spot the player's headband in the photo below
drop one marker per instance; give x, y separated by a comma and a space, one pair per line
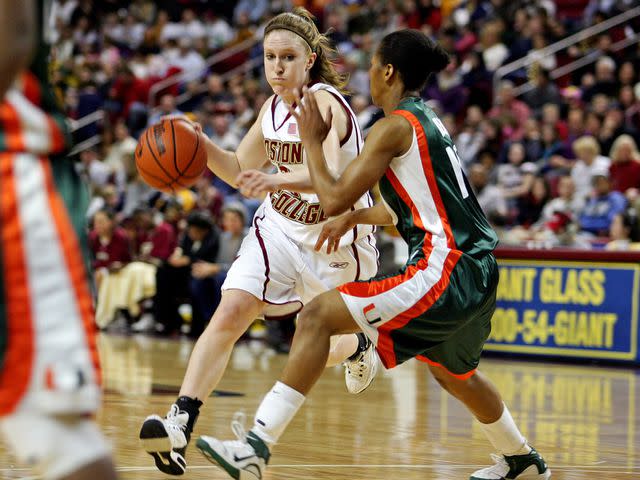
284, 27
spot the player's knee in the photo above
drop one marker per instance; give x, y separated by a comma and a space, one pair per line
451, 384
314, 318
54, 447
229, 319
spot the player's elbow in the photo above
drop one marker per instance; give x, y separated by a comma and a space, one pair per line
334, 206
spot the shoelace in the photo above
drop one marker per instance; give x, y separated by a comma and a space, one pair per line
238, 429
172, 419
359, 368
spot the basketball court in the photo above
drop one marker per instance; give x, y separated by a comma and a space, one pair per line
583, 418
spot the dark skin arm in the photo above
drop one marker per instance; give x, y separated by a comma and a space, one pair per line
17, 39
388, 138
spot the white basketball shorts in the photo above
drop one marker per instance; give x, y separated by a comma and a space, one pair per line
286, 275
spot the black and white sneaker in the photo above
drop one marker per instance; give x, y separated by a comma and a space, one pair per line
166, 439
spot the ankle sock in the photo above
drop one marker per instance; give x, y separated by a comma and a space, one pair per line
505, 436
363, 344
277, 409
192, 407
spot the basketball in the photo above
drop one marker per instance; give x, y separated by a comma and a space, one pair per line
171, 155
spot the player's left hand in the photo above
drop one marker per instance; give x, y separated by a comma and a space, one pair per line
333, 231
254, 183
312, 127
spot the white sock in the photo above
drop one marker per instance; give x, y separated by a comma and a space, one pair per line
505, 436
277, 409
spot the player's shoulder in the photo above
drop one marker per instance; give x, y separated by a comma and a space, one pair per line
393, 132
266, 106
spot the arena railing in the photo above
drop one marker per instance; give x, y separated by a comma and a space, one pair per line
536, 55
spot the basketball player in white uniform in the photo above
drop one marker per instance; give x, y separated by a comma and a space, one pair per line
277, 269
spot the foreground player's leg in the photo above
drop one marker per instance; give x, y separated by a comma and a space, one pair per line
247, 457
166, 439
515, 459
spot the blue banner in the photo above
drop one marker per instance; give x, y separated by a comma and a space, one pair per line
573, 309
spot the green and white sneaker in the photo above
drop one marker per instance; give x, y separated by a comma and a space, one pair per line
530, 467
243, 459
360, 372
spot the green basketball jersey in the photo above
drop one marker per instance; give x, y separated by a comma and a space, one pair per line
429, 195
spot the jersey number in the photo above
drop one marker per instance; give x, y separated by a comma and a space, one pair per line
454, 158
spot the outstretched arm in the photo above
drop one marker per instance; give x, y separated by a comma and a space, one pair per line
388, 138
17, 39
334, 230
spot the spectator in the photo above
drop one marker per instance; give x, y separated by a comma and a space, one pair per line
531, 204
623, 233
511, 113
589, 160
167, 106
211, 275
489, 196
567, 202
176, 284
625, 166
121, 285
190, 63
543, 92
599, 211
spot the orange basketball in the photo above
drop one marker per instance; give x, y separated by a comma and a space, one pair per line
171, 155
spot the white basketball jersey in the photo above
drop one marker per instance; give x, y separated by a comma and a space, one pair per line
299, 214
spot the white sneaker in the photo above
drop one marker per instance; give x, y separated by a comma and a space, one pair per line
360, 372
243, 459
145, 324
166, 439
530, 466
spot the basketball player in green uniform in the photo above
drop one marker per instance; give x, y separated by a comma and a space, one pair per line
438, 307
49, 369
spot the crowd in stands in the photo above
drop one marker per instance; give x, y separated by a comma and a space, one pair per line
557, 165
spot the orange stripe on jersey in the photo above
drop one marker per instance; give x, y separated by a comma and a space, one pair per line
459, 376
429, 174
71, 252
376, 287
10, 123
16, 371
385, 342
31, 88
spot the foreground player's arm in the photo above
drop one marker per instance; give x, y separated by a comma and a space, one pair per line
250, 153
17, 39
334, 230
388, 138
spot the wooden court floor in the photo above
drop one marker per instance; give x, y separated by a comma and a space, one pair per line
582, 418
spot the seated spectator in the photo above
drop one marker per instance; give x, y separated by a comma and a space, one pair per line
206, 294
516, 177
530, 205
489, 196
605, 204
511, 112
587, 150
176, 283
624, 232
121, 284
625, 167
567, 202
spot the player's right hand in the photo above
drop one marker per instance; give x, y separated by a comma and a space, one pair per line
333, 231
